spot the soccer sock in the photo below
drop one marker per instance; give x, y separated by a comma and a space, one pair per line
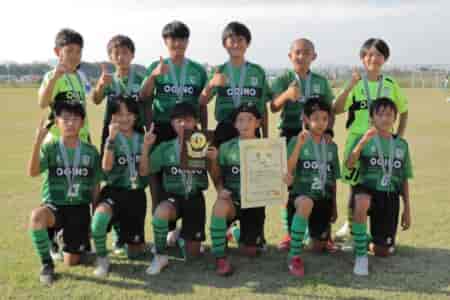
41, 243
98, 227
284, 219
298, 228
359, 231
160, 231
218, 236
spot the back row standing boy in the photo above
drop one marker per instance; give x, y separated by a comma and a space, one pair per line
291, 90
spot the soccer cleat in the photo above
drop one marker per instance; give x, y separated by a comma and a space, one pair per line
102, 268
47, 274
158, 263
343, 232
296, 266
223, 267
361, 267
172, 237
285, 243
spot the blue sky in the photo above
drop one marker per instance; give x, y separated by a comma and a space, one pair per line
417, 31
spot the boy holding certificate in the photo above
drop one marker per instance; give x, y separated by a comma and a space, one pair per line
313, 168
225, 171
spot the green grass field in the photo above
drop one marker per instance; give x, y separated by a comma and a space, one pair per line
420, 270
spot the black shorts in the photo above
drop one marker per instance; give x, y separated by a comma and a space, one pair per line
129, 208
319, 225
384, 212
289, 133
74, 221
226, 131
192, 211
164, 132
251, 222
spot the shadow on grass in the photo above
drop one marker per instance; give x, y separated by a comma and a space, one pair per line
416, 270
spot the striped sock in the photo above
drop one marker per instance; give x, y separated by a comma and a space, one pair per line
99, 227
218, 236
41, 243
284, 219
359, 231
160, 231
298, 228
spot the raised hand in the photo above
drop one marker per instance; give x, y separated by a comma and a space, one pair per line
218, 79
113, 128
150, 136
105, 78
356, 76
293, 91
161, 69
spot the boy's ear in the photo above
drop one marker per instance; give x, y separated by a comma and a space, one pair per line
57, 51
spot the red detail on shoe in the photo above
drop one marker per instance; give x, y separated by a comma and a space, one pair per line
223, 267
296, 266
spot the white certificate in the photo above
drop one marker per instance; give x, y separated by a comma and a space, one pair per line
263, 166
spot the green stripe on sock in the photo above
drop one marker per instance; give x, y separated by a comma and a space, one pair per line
359, 231
41, 243
160, 231
219, 228
298, 228
99, 227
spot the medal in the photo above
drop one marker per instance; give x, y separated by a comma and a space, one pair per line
237, 90
72, 190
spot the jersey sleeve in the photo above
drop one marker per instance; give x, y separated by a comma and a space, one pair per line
408, 166
156, 160
43, 158
399, 98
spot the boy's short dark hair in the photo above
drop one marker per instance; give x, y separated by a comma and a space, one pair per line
379, 44
175, 29
129, 102
236, 28
248, 108
316, 103
382, 103
68, 36
73, 107
120, 41
183, 110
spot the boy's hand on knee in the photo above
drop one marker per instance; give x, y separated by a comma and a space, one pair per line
288, 179
406, 219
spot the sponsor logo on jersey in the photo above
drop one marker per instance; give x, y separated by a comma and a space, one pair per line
122, 160
172, 89
245, 91
378, 162
178, 171
314, 165
82, 172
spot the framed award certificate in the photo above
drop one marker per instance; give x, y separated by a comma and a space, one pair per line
263, 166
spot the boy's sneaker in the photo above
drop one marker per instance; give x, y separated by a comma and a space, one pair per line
158, 263
361, 267
47, 274
296, 266
102, 268
285, 243
343, 232
223, 267
172, 237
